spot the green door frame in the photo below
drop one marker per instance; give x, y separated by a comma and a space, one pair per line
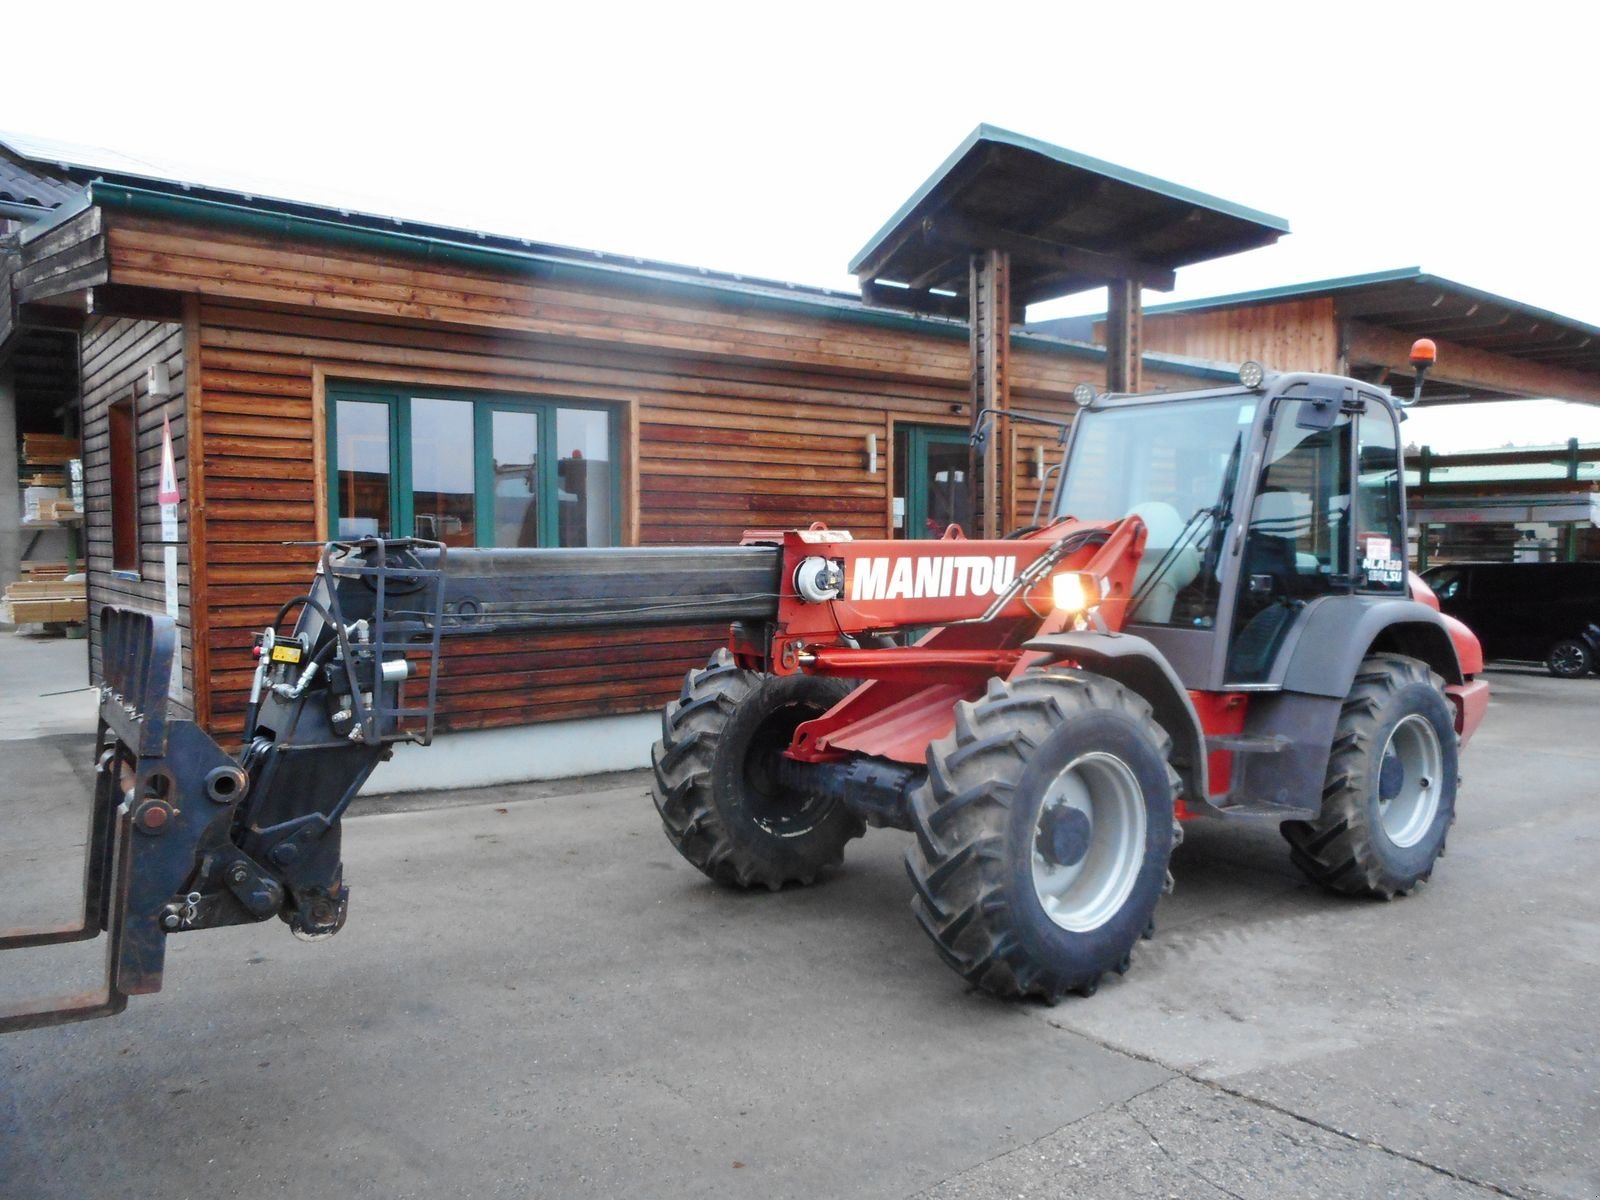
918, 439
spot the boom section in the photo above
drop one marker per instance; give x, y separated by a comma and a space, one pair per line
841, 600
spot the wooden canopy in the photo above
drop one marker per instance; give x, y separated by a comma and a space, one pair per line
1067, 221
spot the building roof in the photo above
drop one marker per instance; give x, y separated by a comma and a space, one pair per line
1412, 301
1069, 222
31, 191
114, 180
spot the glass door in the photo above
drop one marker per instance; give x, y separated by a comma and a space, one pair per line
930, 485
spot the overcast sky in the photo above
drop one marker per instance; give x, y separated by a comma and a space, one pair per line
773, 140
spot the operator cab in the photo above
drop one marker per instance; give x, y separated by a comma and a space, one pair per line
1259, 502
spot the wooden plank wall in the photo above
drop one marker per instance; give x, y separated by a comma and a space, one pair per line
70, 256
1294, 335
732, 416
115, 354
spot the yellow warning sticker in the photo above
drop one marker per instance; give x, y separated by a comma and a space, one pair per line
286, 654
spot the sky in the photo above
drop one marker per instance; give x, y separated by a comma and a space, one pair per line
774, 140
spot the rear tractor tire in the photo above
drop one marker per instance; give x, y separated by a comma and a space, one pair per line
1043, 834
1390, 794
716, 785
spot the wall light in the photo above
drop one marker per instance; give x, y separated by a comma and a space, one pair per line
872, 454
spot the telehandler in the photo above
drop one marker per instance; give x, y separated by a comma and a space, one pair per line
1215, 619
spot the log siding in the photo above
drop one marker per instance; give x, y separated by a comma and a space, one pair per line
731, 417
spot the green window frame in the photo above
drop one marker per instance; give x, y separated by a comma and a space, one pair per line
398, 401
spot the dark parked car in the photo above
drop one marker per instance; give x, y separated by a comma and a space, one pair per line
1544, 612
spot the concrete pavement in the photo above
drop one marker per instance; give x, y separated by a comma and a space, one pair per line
536, 997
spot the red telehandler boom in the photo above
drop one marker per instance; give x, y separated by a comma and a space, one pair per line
1214, 620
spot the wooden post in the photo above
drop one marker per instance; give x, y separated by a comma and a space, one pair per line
1573, 460
1124, 312
991, 386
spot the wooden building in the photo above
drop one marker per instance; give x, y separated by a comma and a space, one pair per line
320, 374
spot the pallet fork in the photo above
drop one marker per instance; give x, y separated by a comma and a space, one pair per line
145, 825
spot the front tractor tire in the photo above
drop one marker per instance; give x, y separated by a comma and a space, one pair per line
1043, 834
1390, 794
716, 784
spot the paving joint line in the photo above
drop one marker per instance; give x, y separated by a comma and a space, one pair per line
983, 1162
1188, 1168
1273, 1106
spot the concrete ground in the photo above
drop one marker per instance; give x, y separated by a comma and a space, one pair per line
536, 997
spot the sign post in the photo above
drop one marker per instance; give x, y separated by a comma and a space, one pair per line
167, 497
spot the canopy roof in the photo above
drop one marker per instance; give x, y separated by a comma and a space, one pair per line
1411, 301
1069, 222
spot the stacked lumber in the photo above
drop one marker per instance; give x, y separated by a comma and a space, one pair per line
38, 568
46, 506
48, 449
44, 601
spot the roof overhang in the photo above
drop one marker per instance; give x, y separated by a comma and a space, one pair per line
1069, 223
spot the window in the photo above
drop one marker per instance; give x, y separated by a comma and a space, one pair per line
124, 450
1297, 546
1176, 466
471, 469
1380, 535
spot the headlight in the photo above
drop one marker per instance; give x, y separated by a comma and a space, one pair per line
1075, 591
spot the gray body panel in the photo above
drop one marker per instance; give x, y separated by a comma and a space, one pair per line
1139, 666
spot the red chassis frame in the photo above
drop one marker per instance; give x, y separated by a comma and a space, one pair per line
958, 587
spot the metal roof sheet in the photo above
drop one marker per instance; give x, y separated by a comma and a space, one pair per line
29, 184
1071, 222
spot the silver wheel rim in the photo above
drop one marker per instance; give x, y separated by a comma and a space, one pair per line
1087, 893
1567, 658
1408, 813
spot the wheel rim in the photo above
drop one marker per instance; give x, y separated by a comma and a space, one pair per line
1567, 658
1088, 841
780, 811
1410, 780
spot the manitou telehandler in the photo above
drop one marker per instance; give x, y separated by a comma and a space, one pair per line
1215, 619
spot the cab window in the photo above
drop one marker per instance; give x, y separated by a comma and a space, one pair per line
1380, 535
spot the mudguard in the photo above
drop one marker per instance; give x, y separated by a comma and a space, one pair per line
1139, 666
1337, 632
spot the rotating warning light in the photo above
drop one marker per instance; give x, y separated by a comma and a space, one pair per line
1424, 353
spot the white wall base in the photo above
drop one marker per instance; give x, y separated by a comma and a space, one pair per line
554, 750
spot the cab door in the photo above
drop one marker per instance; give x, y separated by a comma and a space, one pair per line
1327, 518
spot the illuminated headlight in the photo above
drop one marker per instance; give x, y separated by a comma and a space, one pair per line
1251, 374
1075, 591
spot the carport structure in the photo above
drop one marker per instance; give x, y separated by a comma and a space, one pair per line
1490, 348
1007, 221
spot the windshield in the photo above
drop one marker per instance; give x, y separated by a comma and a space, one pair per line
1175, 465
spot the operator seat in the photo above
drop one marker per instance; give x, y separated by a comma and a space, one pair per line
1163, 527
1265, 613
1279, 517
